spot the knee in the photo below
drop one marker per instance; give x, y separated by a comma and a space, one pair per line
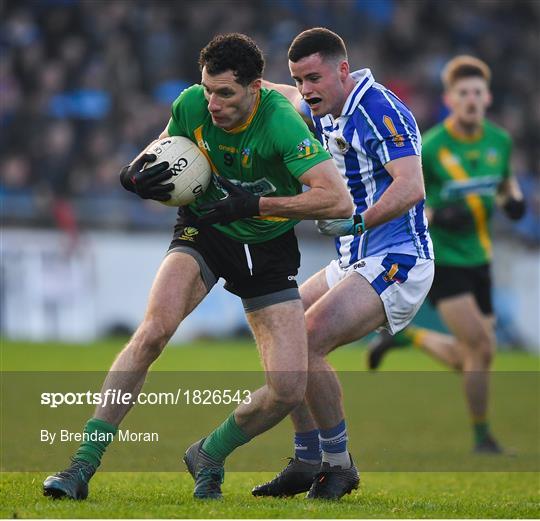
481, 349
316, 348
289, 392
149, 340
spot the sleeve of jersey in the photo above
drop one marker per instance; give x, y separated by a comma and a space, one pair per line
391, 130
295, 143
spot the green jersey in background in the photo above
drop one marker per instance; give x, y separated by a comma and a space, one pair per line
460, 170
267, 154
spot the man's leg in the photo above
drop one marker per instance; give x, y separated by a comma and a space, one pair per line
349, 311
301, 470
176, 291
281, 338
475, 335
440, 346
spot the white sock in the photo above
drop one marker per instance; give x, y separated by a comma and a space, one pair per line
335, 459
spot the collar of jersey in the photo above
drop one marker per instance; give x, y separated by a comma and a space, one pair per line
243, 126
464, 138
364, 80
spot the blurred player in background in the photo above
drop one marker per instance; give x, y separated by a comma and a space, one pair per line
466, 162
254, 137
385, 260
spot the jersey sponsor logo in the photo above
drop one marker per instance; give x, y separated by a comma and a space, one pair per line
398, 139
261, 187
225, 148
390, 275
188, 234
291, 277
455, 189
360, 264
342, 145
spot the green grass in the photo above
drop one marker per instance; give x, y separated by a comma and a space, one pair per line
400, 415
237, 355
382, 495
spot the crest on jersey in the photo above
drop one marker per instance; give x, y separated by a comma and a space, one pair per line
246, 157
389, 276
306, 148
492, 156
398, 139
188, 234
342, 145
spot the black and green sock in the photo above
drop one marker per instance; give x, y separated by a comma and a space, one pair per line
480, 430
222, 441
99, 435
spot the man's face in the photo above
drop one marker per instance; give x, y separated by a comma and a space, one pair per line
320, 82
229, 103
468, 99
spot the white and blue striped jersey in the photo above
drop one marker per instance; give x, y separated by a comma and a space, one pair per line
374, 128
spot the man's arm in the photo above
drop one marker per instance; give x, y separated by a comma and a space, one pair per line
405, 191
327, 197
292, 94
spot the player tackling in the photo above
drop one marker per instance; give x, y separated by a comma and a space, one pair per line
385, 259
261, 152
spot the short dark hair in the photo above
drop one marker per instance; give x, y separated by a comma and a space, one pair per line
464, 66
233, 52
317, 40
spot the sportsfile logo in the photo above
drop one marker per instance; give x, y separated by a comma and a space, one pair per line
109, 397
119, 397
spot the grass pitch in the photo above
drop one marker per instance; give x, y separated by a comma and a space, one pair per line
382, 494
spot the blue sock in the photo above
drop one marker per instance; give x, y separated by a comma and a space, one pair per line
334, 445
307, 446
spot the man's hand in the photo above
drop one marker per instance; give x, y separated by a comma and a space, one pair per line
147, 183
455, 217
514, 208
239, 203
341, 227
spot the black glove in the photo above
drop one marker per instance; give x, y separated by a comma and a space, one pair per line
514, 208
239, 203
455, 217
147, 183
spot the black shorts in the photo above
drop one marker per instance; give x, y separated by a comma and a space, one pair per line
251, 271
451, 281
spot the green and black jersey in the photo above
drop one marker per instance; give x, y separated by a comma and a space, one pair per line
267, 154
469, 171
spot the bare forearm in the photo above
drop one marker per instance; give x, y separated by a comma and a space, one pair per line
399, 197
317, 203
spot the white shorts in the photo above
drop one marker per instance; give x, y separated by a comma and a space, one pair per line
402, 282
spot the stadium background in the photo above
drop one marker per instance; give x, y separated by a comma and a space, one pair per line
84, 85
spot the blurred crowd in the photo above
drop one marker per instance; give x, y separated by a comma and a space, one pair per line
86, 84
